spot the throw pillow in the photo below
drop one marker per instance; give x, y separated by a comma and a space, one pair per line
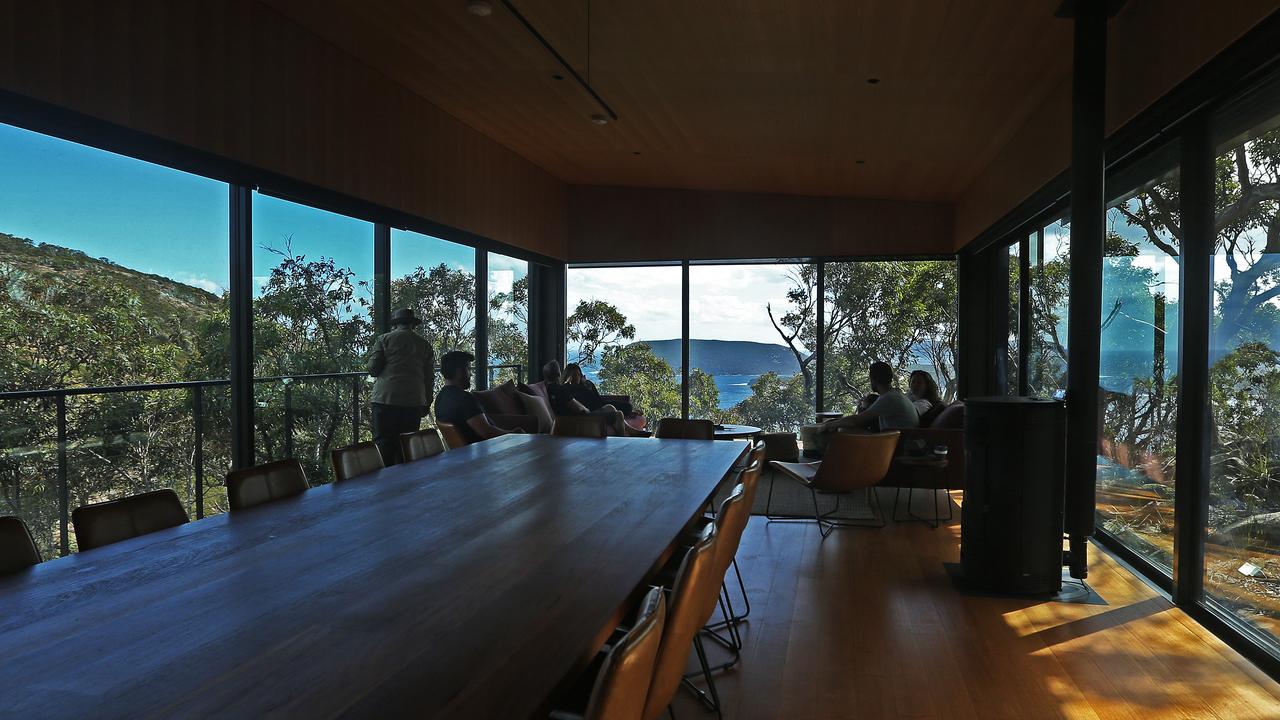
537, 407
500, 400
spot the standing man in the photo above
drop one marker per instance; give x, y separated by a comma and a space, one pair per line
404, 367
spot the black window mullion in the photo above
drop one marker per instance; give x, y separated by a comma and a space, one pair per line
240, 237
684, 339
482, 319
820, 339
1024, 311
381, 278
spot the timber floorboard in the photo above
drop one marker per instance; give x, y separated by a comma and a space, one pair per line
866, 624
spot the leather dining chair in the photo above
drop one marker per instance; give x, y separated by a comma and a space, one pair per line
692, 600
622, 684
677, 429
355, 460
17, 548
453, 438
853, 461
580, 426
109, 522
421, 444
261, 484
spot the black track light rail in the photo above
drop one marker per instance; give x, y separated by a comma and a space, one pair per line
560, 59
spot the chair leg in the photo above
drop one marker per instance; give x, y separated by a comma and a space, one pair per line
709, 697
768, 503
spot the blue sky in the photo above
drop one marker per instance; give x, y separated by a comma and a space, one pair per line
159, 220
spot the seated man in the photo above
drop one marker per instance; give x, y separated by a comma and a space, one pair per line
891, 410
563, 402
458, 407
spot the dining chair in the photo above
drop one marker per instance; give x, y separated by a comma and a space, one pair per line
453, 437
109, 522
622, 684
421, 444
678, 429
690, 604
18, 549
580, 426
355, 460
261, 484
853, 461
734, 514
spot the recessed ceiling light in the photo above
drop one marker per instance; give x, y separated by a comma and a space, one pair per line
635, 152
599, 119
479, 8
860, 162
872, 81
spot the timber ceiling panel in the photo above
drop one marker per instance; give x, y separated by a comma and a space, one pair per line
749, 95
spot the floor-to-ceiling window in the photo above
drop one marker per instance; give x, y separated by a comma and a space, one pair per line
437, 280
312, 304
1050, 275
1242, 554
902, 312
1138, 385
508, 292
752, 331
1012, 369
624, 328
113, 274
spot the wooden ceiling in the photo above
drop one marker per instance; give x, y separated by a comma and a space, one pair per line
746, 95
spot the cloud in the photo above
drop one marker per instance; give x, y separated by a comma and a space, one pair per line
203, 283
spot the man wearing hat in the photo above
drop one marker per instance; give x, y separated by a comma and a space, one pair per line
404, 367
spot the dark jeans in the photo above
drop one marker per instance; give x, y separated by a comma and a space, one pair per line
389, 421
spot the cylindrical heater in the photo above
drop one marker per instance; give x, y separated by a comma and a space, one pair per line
1011, 528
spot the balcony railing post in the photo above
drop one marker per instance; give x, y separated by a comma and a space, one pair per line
197, 405
355, 409
64, 494
288, 419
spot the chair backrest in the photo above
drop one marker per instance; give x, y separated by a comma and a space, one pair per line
855, 460
421, 444
263, 483
734, 513
356, 460
583, 426
693, 598
17, 548
624, 679
453, 437
115, 520
677, 429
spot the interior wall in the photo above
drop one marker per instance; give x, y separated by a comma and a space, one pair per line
235, 78
614, 224
1152, 46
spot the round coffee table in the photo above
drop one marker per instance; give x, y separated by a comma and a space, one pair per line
736, 432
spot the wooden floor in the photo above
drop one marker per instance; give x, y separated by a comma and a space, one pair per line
866, 624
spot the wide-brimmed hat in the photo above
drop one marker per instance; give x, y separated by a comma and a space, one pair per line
405, 316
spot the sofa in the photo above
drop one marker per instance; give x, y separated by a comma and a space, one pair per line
946, 429
528, 407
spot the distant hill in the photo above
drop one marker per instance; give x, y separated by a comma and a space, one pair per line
729, 357
161, 298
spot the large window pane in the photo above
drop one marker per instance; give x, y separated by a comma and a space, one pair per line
114, 273
1242, 565
751, 328
901, 312
1138, 389
1047, 346
313, 273
508, 318
624, 330
437, 279
1012, 370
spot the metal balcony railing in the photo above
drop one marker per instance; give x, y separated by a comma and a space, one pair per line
197, 389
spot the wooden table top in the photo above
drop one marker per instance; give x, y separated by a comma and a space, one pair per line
464, 585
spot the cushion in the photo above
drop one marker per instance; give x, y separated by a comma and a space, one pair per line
539, 408
950, 419
500, 400
539, 389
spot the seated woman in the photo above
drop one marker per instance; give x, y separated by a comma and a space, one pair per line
585, 392
563, 402
925, 396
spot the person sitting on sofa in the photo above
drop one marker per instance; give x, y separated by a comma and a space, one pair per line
564, 402
585, 392
890, 411
456, 406
925, 396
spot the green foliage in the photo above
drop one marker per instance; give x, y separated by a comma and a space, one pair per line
445, 299
776, 404
508, 329
634, 370
594, 326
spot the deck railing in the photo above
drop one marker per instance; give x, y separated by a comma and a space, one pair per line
198, 390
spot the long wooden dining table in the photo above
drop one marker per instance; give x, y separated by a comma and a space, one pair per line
467, 585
